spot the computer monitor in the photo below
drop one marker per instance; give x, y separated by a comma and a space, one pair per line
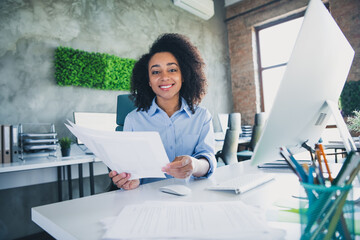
316, 72
96, 121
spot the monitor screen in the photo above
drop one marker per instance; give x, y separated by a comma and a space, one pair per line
316, 72
97, 121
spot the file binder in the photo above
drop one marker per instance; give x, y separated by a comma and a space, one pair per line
6, 150
14, 138
1, 147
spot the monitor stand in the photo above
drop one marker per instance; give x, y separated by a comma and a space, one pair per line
348, 141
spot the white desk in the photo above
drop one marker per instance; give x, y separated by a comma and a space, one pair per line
219, 141
79, 218
77, 157
339, 145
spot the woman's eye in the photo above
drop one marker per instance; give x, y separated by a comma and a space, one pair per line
173, 70
155, 72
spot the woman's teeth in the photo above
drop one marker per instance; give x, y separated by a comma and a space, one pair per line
167, 86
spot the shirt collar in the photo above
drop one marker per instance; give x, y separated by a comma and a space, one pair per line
154, 108
185, 107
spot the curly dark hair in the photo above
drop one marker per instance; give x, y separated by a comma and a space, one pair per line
191, 65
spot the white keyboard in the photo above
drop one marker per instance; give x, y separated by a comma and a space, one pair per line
244, 182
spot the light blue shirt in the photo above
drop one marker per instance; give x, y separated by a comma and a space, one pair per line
184, 133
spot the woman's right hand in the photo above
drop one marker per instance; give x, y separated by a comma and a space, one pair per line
122, 180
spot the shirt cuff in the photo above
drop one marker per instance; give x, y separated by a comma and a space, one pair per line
211, 159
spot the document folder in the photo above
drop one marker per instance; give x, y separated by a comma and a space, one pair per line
1, 147
6, 150
14, 138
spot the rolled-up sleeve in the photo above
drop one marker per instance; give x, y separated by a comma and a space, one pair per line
206, 145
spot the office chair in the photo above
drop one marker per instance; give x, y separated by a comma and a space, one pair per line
124, 106
228, 154
260, 119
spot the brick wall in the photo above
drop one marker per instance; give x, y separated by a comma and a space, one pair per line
242, 47
347, 15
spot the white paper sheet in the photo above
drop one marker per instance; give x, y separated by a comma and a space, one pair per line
189, 220
140, 153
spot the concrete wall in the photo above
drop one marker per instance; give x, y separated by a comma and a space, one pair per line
29, 33
31, 30
242, 47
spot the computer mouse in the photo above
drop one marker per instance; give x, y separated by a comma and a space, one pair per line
176, 189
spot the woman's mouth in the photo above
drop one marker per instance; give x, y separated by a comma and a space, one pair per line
166, 86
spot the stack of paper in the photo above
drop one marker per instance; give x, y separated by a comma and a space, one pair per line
191, 220
141, 154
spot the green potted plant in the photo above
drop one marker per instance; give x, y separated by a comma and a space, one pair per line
65, 145
354, 122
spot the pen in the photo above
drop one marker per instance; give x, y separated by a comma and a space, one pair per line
318, 156
305, 167
298, 167
311, 175
311, 181
319, 177
291, 165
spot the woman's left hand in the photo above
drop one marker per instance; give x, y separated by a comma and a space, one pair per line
181, 167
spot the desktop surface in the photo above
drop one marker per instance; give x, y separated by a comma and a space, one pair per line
80, 218
77, 157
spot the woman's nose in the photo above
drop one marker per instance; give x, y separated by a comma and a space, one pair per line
164, 76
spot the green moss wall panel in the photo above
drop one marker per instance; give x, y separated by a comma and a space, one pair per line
93, 70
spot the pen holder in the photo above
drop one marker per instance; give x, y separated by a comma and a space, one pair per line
326, 212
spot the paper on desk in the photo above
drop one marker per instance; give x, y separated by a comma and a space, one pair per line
190, 220
140, 153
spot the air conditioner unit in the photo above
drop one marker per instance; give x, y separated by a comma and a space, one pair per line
200, 8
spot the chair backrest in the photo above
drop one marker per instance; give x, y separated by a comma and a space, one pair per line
234, 121
260, 119
229, 150
124, 106
231, 141
229, 120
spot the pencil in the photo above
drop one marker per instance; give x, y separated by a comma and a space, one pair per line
318, 156
325, 161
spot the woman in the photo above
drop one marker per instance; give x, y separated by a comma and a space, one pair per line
167, 84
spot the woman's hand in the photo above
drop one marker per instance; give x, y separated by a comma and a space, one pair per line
122, 180
181, 167
185, 166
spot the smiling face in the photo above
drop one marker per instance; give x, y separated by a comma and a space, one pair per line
165, 77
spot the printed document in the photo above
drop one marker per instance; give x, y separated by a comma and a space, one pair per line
141, 154
190, 220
